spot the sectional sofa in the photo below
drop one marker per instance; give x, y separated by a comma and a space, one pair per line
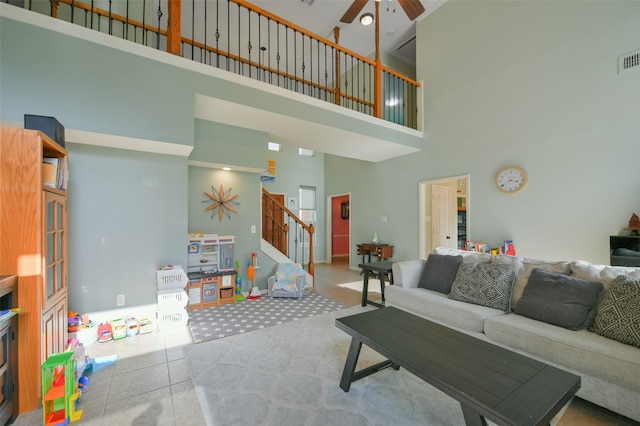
581, 317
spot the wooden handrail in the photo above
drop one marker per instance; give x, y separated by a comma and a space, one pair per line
309, 228
175, 40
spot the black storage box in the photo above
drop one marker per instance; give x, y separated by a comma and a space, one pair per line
48, 125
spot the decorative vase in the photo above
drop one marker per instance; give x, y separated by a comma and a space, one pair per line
375, 238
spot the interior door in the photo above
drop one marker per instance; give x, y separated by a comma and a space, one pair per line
441, 214
273, 222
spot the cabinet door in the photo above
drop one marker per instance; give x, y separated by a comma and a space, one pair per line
55, 281
54, 329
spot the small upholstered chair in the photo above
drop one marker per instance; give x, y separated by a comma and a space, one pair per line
288, 281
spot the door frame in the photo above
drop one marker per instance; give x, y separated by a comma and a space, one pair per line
329, 221
424, 215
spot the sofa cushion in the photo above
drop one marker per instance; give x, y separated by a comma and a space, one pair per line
524, 266
602, 273
618, 315
467, 256
559, 299
438, 307
581, 351
439, 272
484, 284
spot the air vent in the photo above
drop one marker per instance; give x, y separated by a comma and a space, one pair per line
629, 62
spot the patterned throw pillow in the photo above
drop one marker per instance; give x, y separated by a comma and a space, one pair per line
618, 315
486, 284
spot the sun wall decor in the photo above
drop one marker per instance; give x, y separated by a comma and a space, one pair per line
220, 202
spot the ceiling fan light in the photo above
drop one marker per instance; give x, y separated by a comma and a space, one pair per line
366, 19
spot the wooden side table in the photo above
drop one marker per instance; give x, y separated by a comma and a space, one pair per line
382, 251
382, 268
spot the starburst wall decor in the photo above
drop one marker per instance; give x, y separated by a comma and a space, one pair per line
220, 202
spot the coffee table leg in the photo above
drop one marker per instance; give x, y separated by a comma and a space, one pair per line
365, 287
471, 417
350, 364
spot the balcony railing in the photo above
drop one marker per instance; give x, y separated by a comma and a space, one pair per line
244, 39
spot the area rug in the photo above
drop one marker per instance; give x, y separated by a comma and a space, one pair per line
289, 375
374, 285
249, 315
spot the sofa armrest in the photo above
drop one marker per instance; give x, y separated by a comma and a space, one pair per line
407, 273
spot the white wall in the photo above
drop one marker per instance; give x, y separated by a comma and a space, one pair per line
526, 83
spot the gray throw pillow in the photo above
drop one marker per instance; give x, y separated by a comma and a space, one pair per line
618, 315
485, 284
558, 299
439, 272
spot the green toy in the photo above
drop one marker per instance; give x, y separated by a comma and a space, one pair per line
239, 295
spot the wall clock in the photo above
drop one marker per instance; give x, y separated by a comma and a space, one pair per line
511, 179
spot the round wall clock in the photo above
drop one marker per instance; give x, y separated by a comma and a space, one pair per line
511, 179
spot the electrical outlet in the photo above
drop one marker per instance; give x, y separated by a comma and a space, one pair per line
120, 300
253, 229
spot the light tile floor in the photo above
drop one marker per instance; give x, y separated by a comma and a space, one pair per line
150, 382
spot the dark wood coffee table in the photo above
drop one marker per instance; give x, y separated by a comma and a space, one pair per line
489, 381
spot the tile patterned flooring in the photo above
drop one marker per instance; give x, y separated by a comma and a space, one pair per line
150, 383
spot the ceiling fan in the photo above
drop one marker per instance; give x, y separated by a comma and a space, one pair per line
413, 9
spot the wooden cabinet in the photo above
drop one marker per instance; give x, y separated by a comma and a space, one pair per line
33, 225
8, 350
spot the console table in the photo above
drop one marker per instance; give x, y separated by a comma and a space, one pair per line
383, 251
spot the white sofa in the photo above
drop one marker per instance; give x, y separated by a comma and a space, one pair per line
610, 370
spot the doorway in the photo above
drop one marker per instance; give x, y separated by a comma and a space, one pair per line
339, 224
444, 213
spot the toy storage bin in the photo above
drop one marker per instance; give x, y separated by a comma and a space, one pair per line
169, 279
171, 319
172, 300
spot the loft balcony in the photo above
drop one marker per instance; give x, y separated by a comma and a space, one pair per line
368, 110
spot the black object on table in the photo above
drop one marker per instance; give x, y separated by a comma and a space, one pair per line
382, 268
489, 381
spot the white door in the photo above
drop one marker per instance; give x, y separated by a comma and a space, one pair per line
441, 216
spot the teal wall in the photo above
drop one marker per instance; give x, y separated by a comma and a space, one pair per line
130, 211
525, 83
126, 217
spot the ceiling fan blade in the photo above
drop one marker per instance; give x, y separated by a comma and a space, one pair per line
353, 11
413, 8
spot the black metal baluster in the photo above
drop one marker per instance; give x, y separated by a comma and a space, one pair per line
278, 55
286, 55
217, 34
303, 64
205, 35
262, 49
239, 67
159, 13
249, 45
269, 51
295, 59
228, 33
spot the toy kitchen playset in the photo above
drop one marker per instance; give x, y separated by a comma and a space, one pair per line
210, 268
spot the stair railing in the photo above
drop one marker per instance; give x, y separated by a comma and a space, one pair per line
284, 230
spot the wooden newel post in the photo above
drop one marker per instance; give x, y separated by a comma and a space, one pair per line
311, 265
173, 27
377, 74
336, 34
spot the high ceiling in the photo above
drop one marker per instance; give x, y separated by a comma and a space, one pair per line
321, 16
